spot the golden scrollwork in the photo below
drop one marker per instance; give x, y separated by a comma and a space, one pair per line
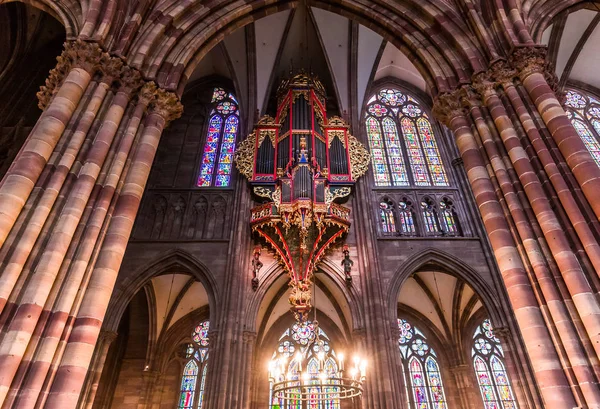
336, 133
359, 157
267, 120
263, 192
336, 121
266, 133
244, 156
338, 193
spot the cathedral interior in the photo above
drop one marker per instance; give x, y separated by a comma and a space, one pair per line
299, 204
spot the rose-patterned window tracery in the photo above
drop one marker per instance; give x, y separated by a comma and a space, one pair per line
193, 380
420, 363
491, 374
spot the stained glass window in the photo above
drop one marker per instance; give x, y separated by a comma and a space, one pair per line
420, 362
430, 219
386, 213
298, 340
193, 380
448, 217
584, 112
407, 223
221, 135
401, 138
492, 378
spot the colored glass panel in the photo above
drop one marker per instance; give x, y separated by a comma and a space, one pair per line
378, 110
425, 375
415, 155
391, 97
388, 222
188, 385
436, 389
588, 139
218, 95
210, 151
448, 218
429, 218
434, 160
227, 151
412, 111
380, 167
575, 100
486, 387
394, 153
202, 385
418, 385
407, 223
200, 335
490, 371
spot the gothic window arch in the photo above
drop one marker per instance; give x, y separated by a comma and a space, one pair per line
298, 339
406, 217
431, 222
584, 112
425, 389
488, 362
387, 217
448, 217
402, 142
193, 379
216, 164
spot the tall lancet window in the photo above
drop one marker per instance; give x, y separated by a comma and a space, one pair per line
403, 146
193, 379
584, 112
223, 125
299, 340
489, 368
422, 374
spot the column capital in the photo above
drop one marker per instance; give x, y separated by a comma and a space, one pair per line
484, 84
76, 54
503, 74
529, 60
503, 333
248, 337
447, 106
167, 105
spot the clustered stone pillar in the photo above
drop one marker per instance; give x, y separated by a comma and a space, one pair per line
513, 134
67, 207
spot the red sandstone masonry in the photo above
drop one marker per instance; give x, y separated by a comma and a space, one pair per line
548, 370
559, 313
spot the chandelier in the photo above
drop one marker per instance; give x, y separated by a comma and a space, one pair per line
295, 379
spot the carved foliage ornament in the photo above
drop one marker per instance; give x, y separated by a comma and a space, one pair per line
244, 156
359, 157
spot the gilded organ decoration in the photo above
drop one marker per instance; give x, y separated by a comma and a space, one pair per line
300, 164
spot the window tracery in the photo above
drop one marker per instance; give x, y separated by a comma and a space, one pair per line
387, 218
584, 112
420, 363
489, 368
430, 217
400, 134
193, 380
221, 135
448, 217
297, 340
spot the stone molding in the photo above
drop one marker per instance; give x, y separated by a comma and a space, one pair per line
523, 62
90, 57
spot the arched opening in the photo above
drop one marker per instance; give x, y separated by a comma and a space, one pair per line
161, 351
447, 345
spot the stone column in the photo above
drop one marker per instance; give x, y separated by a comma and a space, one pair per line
68, 82
79, 349
530, 63
535, 254
65, 246
86, 400
549, 374
467, 391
